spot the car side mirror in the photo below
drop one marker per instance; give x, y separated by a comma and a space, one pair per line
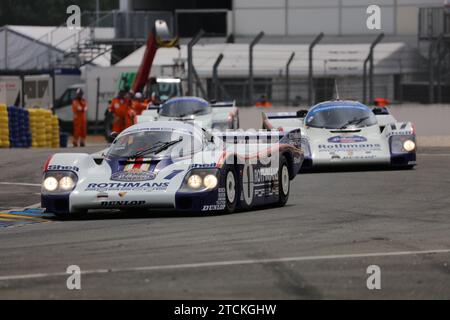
113, 135
302, 113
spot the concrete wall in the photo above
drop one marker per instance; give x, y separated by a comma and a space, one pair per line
431, 120
333, 17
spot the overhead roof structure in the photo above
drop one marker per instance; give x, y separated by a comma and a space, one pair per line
31, 47
271, 59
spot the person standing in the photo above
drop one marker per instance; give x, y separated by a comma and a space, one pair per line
79, 109
263, 102
118, 109
139, 105
130, 114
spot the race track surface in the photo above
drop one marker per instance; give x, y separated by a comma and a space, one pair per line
335, 225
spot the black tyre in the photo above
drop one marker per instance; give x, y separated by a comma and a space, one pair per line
284, 181
231, 190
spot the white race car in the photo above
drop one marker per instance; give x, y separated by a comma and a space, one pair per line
349, 133
176, 165
220, 115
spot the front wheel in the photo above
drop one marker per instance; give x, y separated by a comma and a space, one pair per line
231, 190
284, 182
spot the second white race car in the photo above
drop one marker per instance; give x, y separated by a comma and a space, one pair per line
218, 115
339, 132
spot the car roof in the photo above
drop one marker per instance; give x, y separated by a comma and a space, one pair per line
179, 126
187, 99
338, 104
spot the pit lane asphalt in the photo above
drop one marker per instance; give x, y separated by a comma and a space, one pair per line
329, 218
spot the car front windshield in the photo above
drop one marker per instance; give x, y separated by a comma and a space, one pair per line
145, 143
168, 90
184, 108
340, 117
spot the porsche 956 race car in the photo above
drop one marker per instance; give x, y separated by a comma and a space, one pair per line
349, 133
176, 165
217, 115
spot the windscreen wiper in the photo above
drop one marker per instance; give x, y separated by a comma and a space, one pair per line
354, 121
167, 145
156, 148
190, 114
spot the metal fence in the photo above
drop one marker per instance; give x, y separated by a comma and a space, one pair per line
433, 22
276, 89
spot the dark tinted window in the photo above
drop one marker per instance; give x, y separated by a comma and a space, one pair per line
336, 117
183, 108
129, 144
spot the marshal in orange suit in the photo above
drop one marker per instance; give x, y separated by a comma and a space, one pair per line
79, 109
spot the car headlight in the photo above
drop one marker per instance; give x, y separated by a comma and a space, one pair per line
195, 181
59, 181
210, 181
66, 183
50, 184
201, 180
409, 145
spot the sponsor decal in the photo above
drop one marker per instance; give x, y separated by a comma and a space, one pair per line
102, 195
214, 207
266, 174
62, 168
107, 204
138, 166
359, 157
133, 176
220, 203
137, 171
203, 166
347, 139
127, 186
399, 133
347, 147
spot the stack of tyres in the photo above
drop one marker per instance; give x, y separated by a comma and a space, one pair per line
4, 127
19, 129
55, 132
48, 128
44, 128
38, 128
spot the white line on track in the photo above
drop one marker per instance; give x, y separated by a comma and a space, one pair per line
434, 154
20, 184
229, 263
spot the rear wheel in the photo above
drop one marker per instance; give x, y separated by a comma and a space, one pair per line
231, 190
284, 182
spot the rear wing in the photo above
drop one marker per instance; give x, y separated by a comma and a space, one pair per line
150, 114
283, 120
152, 106
262, 136
223, 104
383, 116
